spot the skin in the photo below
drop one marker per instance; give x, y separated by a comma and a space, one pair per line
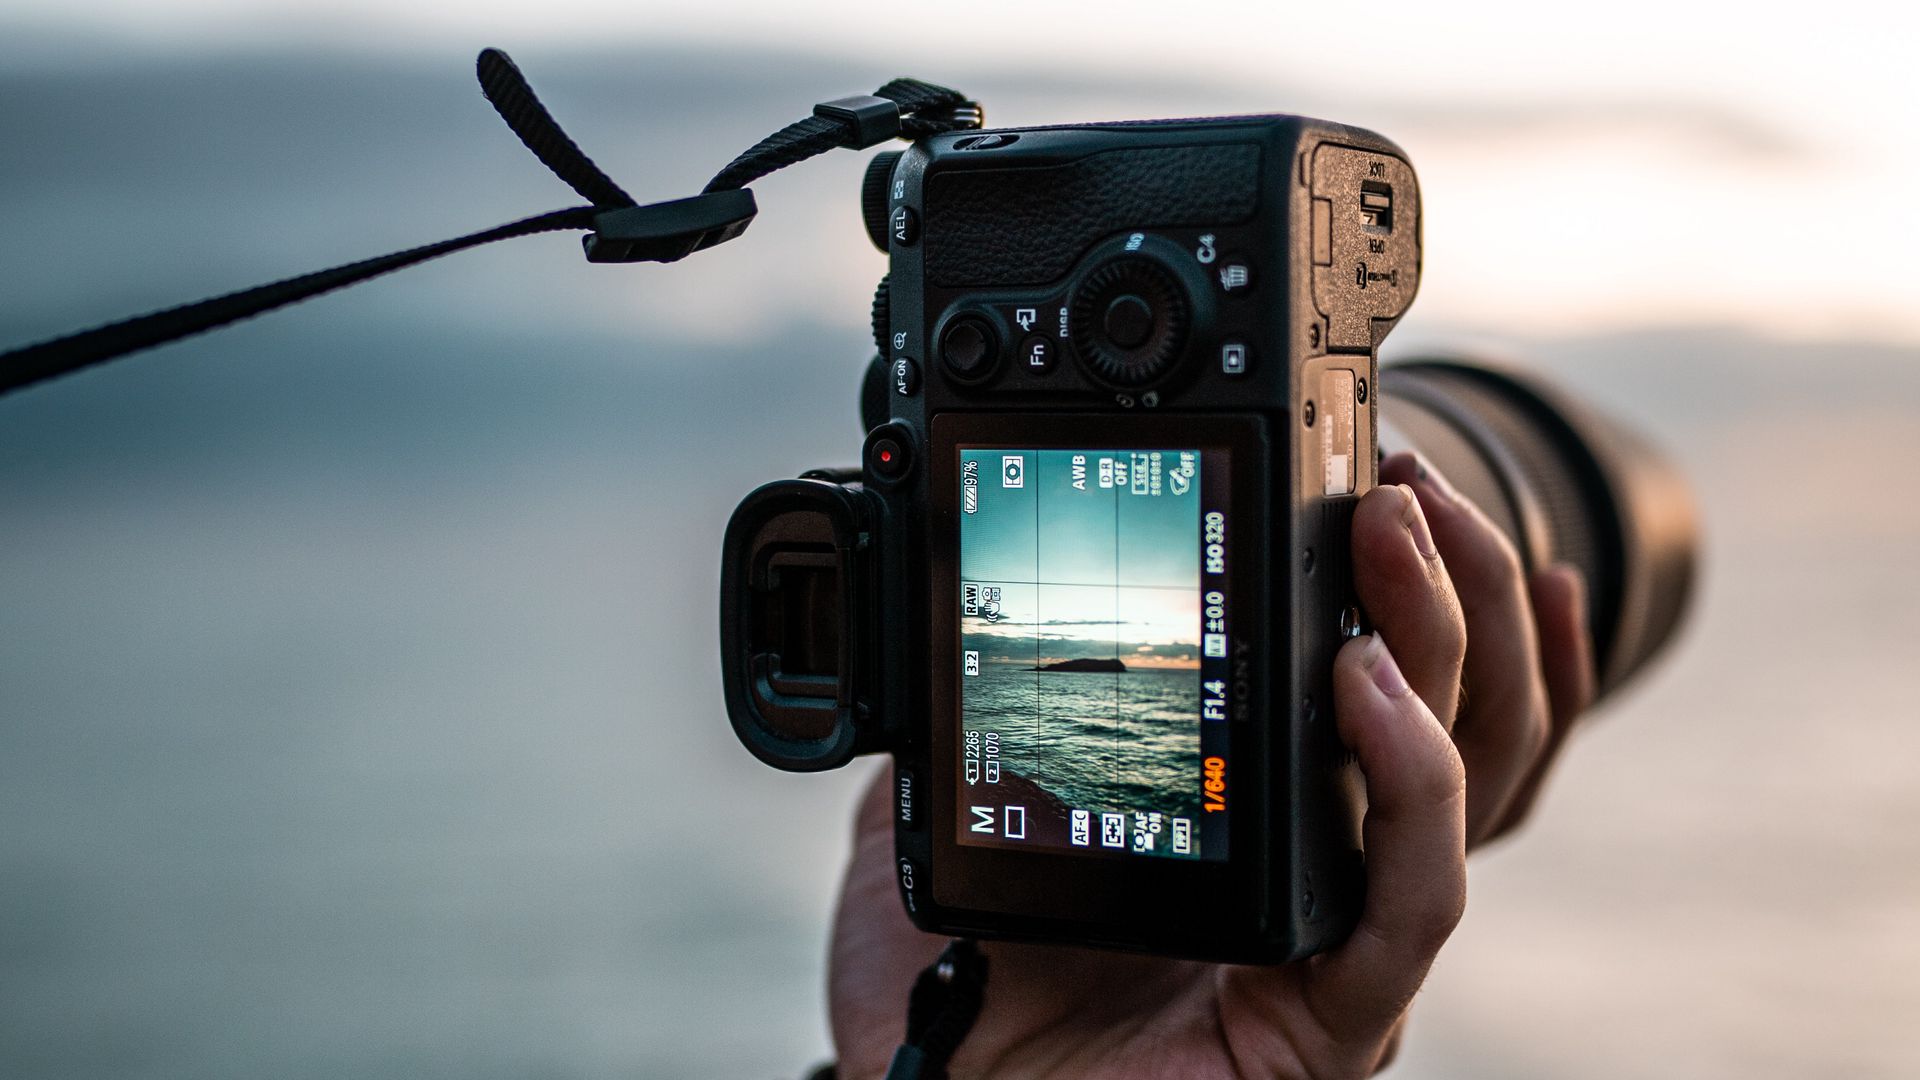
1454, 743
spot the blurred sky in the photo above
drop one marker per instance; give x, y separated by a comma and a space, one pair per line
1642, 162
359, 713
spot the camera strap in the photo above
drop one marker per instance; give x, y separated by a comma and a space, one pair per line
618, 228
946, 997
945, 1002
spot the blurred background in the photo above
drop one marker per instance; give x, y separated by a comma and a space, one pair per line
359, 713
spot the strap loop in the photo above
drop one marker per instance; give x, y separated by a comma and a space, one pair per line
669, 231
925, 109
865, 120
513, 98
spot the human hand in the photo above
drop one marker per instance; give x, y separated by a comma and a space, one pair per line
1528, 672
1063, 1012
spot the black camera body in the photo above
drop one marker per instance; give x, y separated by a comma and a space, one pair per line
1087, 586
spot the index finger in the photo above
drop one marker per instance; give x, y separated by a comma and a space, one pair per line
1409, 596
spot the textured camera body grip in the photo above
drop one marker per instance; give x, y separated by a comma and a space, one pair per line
1028, 225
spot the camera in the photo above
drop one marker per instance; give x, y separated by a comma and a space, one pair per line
1087, 583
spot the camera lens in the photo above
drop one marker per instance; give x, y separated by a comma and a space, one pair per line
1565, 485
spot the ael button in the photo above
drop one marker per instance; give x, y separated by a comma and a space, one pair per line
904, 226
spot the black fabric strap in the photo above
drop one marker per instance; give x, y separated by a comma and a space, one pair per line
925, 109
36, 363
621, 231
944, 1004
513, 98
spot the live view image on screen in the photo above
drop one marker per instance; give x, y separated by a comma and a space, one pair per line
1092, 656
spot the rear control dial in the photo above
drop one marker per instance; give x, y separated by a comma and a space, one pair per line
875, 201
1130, 319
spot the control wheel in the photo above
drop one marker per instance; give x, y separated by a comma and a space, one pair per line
875, 207
1130, 320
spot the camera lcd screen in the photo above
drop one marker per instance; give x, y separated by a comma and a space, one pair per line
1094, 639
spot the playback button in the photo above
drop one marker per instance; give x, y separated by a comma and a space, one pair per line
1235, 358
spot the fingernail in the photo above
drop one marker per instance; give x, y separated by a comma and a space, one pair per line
1432, 478
1384, 672
1416, 523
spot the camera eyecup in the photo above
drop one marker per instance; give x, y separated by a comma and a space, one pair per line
793, 599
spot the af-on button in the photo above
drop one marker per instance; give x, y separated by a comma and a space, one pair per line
906, 377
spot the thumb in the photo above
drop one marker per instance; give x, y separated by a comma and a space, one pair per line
1415, 836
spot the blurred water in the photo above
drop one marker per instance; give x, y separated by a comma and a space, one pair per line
358, 709
1096, 741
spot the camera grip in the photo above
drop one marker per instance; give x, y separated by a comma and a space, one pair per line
1028, 226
